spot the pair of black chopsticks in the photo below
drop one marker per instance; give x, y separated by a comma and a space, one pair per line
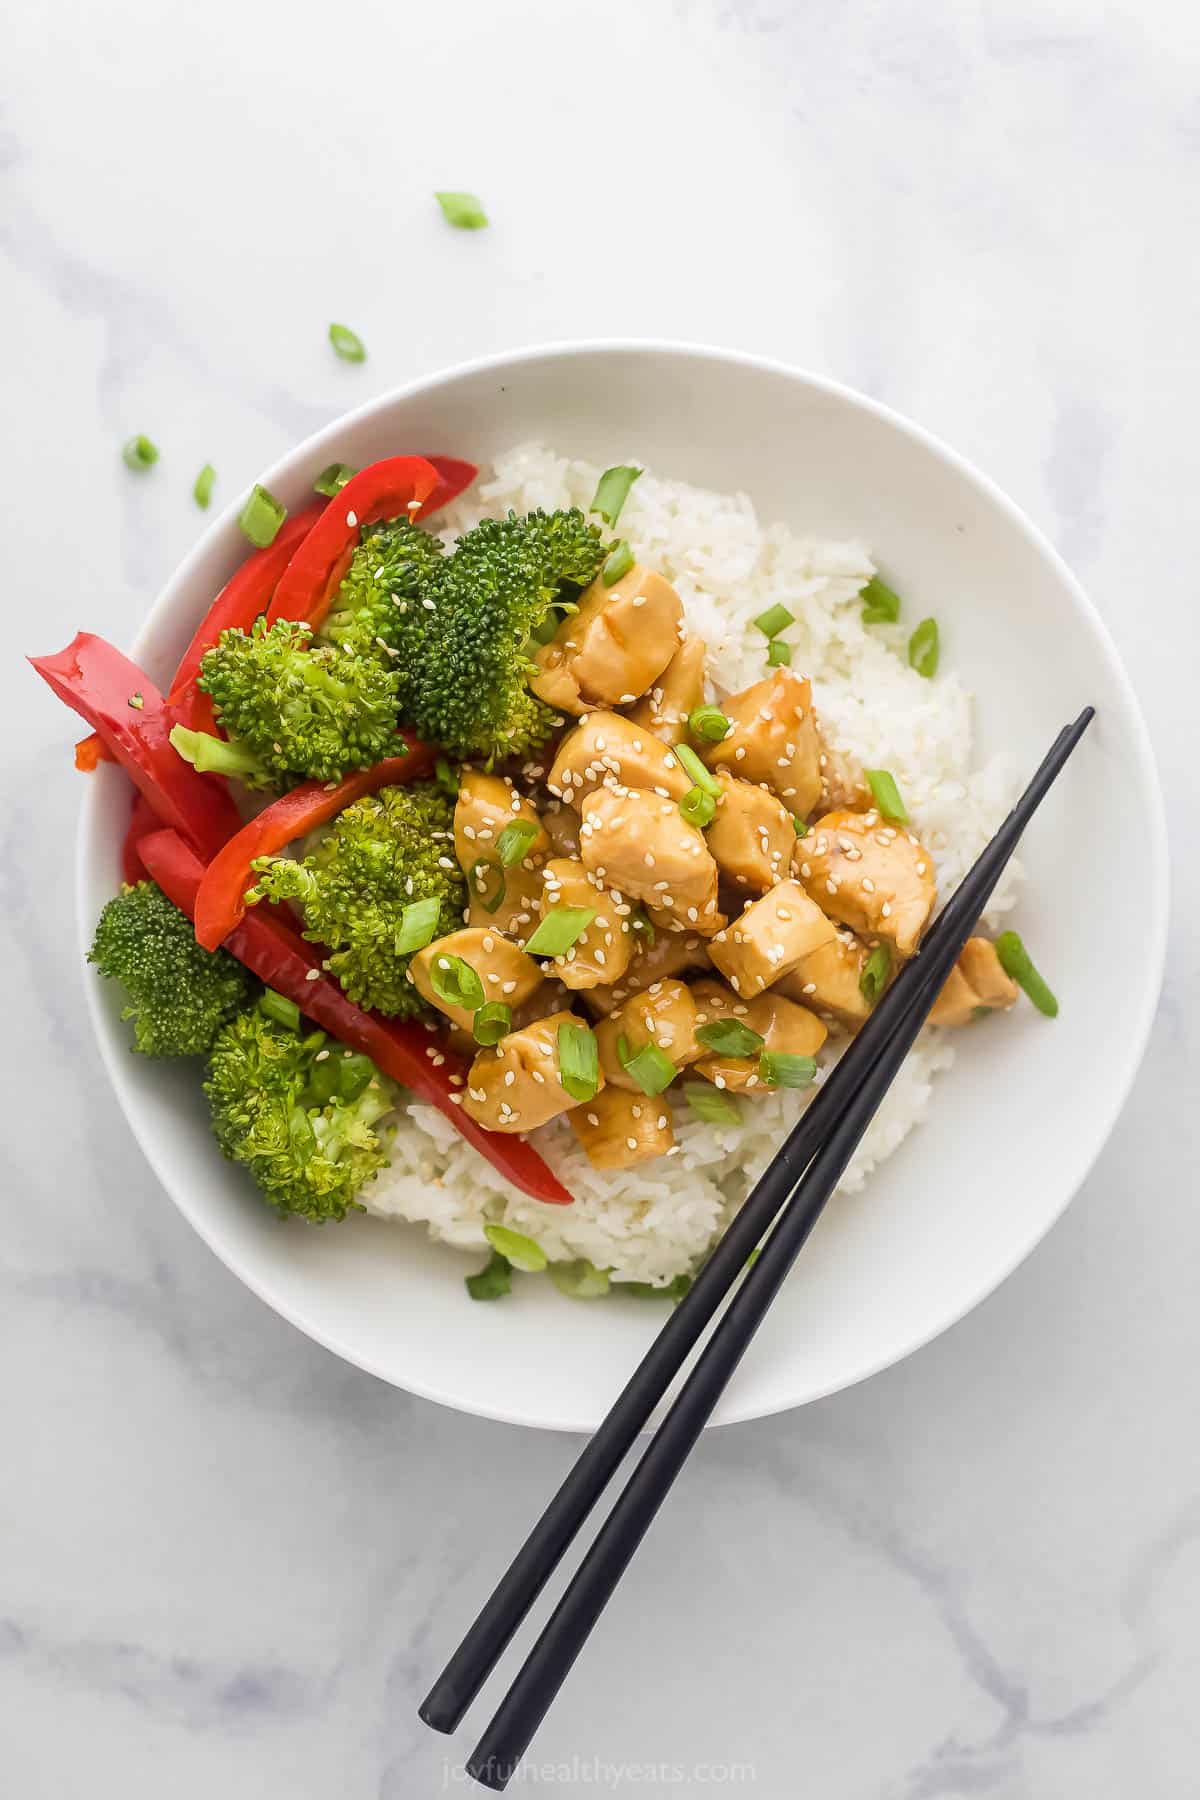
799, 1180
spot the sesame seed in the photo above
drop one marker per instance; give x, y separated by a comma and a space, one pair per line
352, 519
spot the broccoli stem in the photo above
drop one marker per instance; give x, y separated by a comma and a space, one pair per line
215, 756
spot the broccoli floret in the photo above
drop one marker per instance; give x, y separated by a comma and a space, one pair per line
179, 994
378, 857
298, 1111
292, 708
376, 609
465, 686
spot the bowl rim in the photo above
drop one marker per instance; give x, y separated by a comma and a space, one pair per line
1088, 617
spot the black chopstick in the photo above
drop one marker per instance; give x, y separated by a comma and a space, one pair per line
876, 1048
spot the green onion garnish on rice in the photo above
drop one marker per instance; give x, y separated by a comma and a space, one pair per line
579, 1280
492, 1281
1018, 965
521, 1251
710, 1104
881, 604
924, 649
887, 795
612, 491
776, 1069
776, 619
779, 653
261, 516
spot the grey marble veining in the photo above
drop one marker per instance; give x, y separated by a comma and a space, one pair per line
228, 1563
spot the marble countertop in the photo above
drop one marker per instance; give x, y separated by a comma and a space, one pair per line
228, 1563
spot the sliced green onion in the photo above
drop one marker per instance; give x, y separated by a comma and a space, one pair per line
332, 480
640, 920
982, 1012
650, 1067
202, 487
492, 1022
924, 649
463, 210
1018, 965
710, 1104
698, 808
137, 701
521, 1251
646, 1290
612, 491
774, 620
280, 1008
709, 723
139, 453
729, 1037
800, 828
777, 1069
492, 1281
881, 605
454, 980
692, 766
779, 653
477, 885
579, 1280
618, 562
418, 925
887, 795
875, 972
561, 927
578, 1060
347, 343
261, 517
514, 841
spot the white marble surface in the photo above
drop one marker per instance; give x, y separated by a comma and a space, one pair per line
228, 1564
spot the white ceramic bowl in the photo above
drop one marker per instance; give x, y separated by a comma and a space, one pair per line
1018, 1121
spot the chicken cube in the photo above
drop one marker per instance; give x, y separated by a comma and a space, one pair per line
830, 982
606, 748
770, 939
504, 898
663, 1014
773, 740
669, 953
608, 652
678, 691
618, 1130
751, 835
977, 985
518, 1085
643, 845
503, 970
602, 953
785, 1028
561, 825
875, 877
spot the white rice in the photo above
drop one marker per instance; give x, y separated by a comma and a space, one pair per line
654, 1221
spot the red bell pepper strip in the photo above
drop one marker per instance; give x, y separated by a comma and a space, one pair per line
246, 594
142, 821
118, 701
404, 1050
454, 478
382, 490
221, 902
